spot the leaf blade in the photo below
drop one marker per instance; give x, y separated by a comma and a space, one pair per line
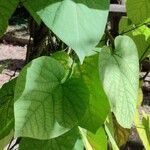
119, 74
43, 109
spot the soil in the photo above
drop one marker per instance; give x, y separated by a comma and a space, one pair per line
12, 56
11, 61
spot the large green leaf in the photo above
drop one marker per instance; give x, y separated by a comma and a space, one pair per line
47, 106
140, 35
6, 108
66, 141
97, 141
138, 10
98, 105
78, 23
7, 8
119, 72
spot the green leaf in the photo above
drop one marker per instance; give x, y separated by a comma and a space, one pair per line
66, 141
6, 108
80, 24
98, 108
140, 35
7, 8
46, 106
110, 130
79, 145
119, 72
143, 128
138, 10
97, 141
64, 59
5, 141
32, 13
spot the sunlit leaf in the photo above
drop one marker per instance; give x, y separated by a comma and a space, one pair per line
97, 141
110, 130
46, 106
143, 128
80, 24
140, 35
119, 72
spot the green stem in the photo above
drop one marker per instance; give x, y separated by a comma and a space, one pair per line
136, 26
148, 47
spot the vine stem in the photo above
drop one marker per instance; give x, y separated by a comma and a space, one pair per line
148, 47
136, 26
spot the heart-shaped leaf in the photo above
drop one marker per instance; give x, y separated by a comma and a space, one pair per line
80, 24
47, 106
119, 72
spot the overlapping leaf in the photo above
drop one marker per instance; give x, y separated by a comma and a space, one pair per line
97, 141
47, 106
6, 108
140, 35
98, 104
67, 141
119, 72
80, 24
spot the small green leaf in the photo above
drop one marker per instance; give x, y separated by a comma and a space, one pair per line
138, 10
143, 128
64, 59
66, 141
5, 141
97, 141
46, 106
6, 108
80, 24
98, 108
119, 72
140, 35
110, 130
7, 8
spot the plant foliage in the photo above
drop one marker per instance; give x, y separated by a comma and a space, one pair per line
86, 93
